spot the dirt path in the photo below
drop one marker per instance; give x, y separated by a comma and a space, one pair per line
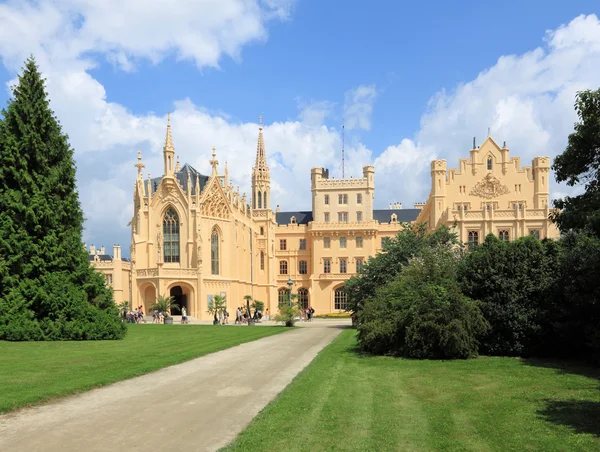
198, 405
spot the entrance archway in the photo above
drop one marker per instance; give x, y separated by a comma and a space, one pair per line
147, 293
180, 299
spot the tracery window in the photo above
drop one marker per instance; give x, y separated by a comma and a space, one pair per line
503, 235
489, 163
265, 199
259, 200
473, 238
340, 299
171, 236
535, 233
303, 298
214, 252
284, 296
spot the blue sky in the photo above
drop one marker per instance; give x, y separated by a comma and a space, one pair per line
303, 65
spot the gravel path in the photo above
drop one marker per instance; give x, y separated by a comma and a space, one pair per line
198, 405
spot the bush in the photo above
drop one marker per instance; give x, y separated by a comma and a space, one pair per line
422, 313
513, 281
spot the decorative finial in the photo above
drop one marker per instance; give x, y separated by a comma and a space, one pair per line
474, 147
260, 122
488, 131
139, 165
177, 165
504, 145
214, 162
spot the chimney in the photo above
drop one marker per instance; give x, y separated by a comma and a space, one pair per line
419, 205
391, 206
116, 252
277, 209
102, 251
92, 249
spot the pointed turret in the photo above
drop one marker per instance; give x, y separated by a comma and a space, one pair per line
261, 179
169, 150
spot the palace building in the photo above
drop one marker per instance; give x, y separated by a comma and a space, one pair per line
194, 236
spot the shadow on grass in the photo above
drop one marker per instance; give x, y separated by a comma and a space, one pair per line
583, 416
565, 366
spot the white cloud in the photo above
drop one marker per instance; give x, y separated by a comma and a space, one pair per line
525, 99
358, 107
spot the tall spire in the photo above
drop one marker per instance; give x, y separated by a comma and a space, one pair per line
261, 157
169, 149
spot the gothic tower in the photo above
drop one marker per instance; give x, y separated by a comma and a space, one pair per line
261, 179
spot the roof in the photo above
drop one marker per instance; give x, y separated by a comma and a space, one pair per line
404, 215
104, 258
182, 177
381, 215
301, 217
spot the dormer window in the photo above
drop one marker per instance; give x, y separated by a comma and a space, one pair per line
293, 220
489, 163
394, 218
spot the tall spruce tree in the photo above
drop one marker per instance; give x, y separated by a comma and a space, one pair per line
48, 291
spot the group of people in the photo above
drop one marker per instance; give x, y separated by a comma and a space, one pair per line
307, 314
135, 316
242, 315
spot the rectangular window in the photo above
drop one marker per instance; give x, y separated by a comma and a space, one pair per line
262, 260
384, 241
326, 265
326, 242
343, 266
302, 244
326, 200
326, 217
343, 199
358, 198
283, 244
343, 217
109, 279
535, 233
359, 264
283, 267
343, 242
359, 216
359, 242
302, 267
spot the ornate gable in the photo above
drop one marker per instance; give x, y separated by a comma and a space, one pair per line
169, 191
213, 202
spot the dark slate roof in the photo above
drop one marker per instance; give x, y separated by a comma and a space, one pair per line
404, 215
301, 217
105, 258
102, 257
182, 177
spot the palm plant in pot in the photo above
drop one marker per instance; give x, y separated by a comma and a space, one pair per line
248, 299
164, 304
258, 306
216, 307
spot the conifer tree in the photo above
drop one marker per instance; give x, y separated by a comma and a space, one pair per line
48, 291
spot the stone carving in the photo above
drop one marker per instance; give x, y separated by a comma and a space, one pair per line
159, 244
489, 187
199, 250
214, 203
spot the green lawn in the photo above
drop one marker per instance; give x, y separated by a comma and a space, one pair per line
344, 401
31, 372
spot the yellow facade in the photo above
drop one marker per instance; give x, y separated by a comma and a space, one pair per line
490, 193
194, 236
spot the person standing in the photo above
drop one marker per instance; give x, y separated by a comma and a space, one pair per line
184, 318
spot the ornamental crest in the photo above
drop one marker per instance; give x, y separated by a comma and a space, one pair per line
489, 187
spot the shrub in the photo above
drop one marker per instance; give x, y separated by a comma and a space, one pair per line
513, 281
422, 313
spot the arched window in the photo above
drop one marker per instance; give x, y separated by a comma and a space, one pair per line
340, 299
283, 268
302, 267
473, 238
303, 297
262, 260
259, 200
284, 296
171, 236
489, 163
262, 231
265, 199
214, 252
503, 235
